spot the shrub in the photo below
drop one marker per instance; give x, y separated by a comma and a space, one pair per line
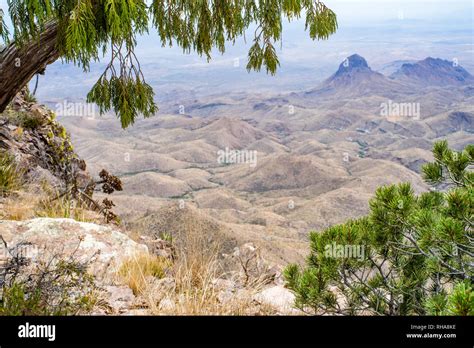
28, 121
30, 97
23, 119
417, 251
10, 174
459, 302
59, 285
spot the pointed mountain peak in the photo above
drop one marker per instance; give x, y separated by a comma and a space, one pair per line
354, 71
354, 62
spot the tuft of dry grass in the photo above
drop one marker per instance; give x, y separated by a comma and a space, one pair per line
20, 206
137, 271
64, 208
34, 202
199, 295
10, 174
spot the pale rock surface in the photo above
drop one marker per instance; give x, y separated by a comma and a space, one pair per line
278, 297
119, 299
106, 247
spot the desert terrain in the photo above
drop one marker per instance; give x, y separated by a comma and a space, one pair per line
268, 168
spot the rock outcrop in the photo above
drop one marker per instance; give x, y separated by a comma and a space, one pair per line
103, 249
104, 246
41, 146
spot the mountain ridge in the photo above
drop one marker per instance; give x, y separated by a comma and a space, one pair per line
434, 72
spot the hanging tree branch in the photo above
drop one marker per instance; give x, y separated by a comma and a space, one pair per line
80, 32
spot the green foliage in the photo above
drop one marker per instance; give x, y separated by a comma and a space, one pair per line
19, 300
30, 97
58, 285
16, 302
10, 174
23, 119
128, 97
415, 249
459, 302
450, 165
29, 121
88, 29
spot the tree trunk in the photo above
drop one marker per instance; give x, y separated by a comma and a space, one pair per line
19, 64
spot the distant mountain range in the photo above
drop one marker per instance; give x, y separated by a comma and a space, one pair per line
355, 78
430, 71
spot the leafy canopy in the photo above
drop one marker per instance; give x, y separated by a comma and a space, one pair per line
88, 29
414, 255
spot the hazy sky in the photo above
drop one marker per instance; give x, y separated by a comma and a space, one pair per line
380, 30
359, 11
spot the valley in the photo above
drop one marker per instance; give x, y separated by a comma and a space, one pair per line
320, 154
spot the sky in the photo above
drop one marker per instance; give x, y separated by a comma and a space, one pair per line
382, 31
360, 11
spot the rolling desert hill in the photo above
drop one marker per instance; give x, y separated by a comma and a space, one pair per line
269, 168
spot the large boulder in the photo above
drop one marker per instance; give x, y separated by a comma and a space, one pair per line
103, 247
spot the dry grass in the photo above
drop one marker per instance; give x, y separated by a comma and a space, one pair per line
198, 295
137, 271
10, 174
20, 206
64, 208
194, 273
34, 202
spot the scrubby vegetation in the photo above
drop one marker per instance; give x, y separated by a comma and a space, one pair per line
59, 194
10, 174
34, 202
414, 253
189, 281
59, 285
22, 119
